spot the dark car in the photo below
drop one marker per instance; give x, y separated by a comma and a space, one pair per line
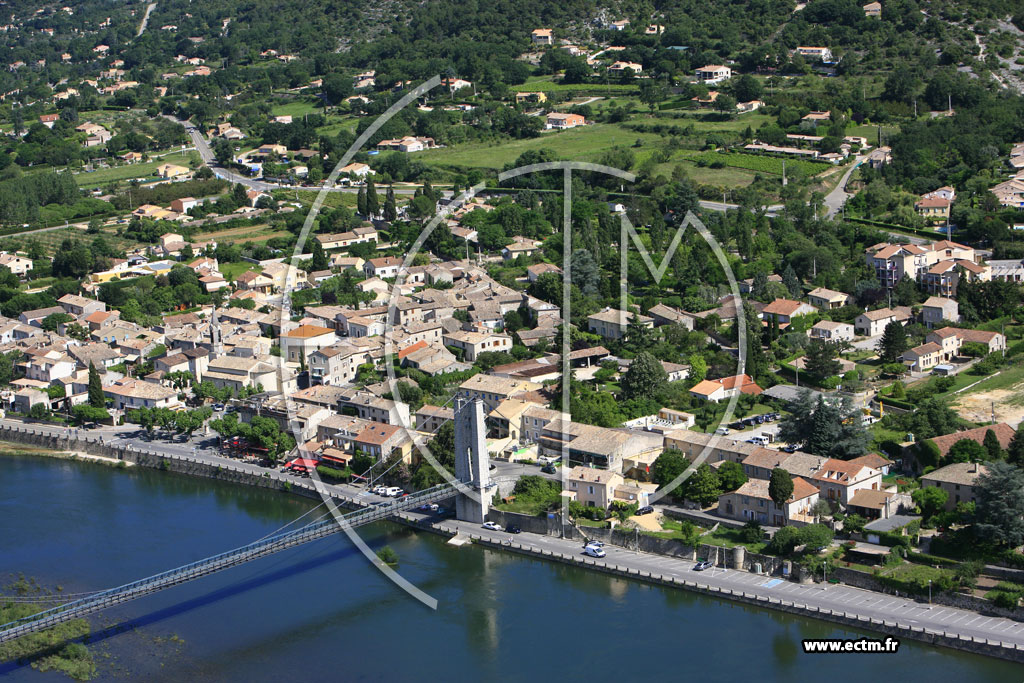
645, 510
548, 469
513, 529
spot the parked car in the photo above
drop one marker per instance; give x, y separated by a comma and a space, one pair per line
512, 529
593, 551
788, 448
492, 526
594, 544
722, 431
218, 407
382, 503
645, 510
702, 565
379, 489
548, 469
393, 492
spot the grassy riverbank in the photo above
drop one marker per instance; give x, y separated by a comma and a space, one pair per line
52, 649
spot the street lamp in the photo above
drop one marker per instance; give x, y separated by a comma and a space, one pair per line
929, 591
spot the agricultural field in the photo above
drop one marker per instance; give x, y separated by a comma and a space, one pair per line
130, 171
760, 163
587, 143
248, 233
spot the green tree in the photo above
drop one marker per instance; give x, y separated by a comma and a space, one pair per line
361, 201
372, 200
645, 377
1015, 450
931, 500
96, 397
320, 260
784, 540
992, 445
703, 487
780, 486
1000, 505
86, 412
667, 466
792, 283
390, 208
731, 475
816, 536
822, 358
967, 450
893, 342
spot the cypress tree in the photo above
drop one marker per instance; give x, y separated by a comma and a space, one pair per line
390, 210
361, 202
372, 201
96, 397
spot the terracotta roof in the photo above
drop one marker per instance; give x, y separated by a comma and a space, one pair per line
1003, 432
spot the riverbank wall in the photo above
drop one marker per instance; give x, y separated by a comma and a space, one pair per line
991, 648
93, 445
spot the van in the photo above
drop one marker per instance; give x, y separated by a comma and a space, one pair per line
722, 431
393, 491
760, 440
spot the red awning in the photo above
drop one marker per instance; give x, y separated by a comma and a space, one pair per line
305, 463
334, 459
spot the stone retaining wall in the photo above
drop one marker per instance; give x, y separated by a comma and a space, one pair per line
991, 648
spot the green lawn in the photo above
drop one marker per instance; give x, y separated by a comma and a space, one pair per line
545, 84
730, 538
296, 108
232, 270
129, 171
587, 143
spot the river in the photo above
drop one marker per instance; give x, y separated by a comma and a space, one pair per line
322, 612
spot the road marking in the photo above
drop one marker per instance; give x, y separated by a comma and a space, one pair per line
971, 621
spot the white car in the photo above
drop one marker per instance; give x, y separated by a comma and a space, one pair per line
593, 551
393, 492
492, 526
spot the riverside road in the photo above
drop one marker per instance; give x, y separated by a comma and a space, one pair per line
853, 601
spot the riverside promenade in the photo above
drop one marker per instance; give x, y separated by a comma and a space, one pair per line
858, 608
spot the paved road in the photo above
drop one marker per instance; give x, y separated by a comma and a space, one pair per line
825, 596
835, 199
145, 18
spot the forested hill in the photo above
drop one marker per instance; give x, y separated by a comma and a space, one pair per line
474, 38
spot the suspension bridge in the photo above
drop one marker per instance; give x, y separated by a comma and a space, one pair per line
232, 558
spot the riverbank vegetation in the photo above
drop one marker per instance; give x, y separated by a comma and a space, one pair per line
52, 649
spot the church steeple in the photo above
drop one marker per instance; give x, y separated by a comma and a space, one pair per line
216, 343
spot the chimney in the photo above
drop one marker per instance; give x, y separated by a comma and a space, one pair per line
974, 467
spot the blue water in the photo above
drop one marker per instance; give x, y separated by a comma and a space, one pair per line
322, 612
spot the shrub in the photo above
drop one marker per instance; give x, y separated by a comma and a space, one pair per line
784, 540
387, 555
752, 532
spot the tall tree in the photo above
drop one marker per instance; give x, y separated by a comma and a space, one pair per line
361, 202
1015, 451
821, 358
703, 486
372, 200
992, 445
320, 260
1000, 504
780, 486
792, 283
96, 397
390, 208
893, 342
644, 377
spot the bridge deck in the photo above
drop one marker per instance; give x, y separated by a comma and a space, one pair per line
216, 563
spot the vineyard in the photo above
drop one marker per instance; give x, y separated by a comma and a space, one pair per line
759, 163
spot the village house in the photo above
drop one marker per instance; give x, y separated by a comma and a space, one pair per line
716, 390
560, 121
493, 390
933, 208
827, 299
611, 323
839, 480
430, 418
299, 343
958, 480
872, 323
713, 73
828, 330
950, 339
938, 309
542, 36
923, 358
474, 343
751, 503
520, 247
383, 267
128, 394
18, 265
784, 310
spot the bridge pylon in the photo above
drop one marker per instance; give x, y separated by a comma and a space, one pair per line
471, 461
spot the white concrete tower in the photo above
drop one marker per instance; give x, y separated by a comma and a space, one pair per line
471, 463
